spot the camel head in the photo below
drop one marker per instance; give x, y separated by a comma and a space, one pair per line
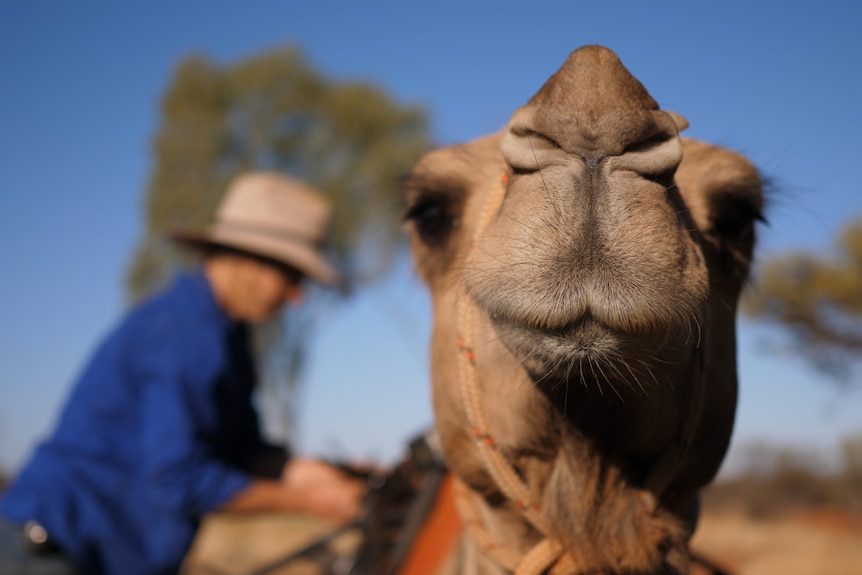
590, 261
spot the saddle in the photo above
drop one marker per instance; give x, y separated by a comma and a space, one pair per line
412, 524
409, 524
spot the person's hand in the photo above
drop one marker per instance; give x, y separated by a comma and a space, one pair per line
323, 490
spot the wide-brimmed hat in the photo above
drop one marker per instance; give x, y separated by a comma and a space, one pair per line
274, 216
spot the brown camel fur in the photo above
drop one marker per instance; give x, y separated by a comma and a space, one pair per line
604, 286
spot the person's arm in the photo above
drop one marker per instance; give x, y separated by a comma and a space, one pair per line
177, 374
307, 487
266, 462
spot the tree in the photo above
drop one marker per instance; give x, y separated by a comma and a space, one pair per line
818, 299
851, 450
274, 112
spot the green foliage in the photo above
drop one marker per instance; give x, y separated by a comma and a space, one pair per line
818, 299
273, 112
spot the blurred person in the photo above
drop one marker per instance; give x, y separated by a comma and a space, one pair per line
160, 429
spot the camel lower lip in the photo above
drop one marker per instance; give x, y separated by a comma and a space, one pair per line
582, 339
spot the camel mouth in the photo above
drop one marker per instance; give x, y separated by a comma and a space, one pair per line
583, 339
587, 349
585, 336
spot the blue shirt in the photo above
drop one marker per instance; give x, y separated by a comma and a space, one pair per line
157, 432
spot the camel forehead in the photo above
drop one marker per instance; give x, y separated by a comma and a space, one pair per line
593, 106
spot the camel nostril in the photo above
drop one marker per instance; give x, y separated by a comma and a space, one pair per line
521, 171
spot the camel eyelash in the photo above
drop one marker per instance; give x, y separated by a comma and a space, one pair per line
433, 219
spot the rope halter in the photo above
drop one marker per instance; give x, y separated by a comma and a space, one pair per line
548, 555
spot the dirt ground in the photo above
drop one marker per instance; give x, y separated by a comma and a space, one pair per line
799, 543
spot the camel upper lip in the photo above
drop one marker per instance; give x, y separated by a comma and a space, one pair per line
585, 322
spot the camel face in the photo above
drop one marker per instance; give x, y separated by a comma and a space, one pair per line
595, 259
591, 255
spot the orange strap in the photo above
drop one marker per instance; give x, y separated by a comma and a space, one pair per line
438, 536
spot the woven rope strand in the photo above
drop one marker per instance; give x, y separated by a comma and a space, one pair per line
545, 553
540, 558
501, 555
504, 475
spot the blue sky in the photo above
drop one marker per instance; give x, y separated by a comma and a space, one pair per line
779, 81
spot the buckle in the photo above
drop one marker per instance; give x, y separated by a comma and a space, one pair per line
37, 540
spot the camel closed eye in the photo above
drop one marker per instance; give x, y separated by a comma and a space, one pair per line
735, 222
432, 220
